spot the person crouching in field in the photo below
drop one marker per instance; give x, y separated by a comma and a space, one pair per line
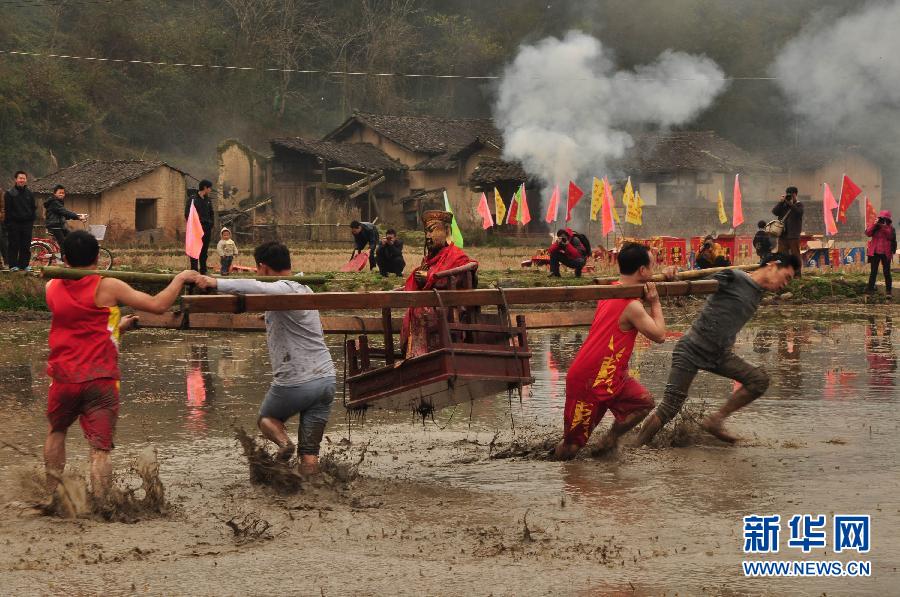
709, 345
303, 374
84, 356
598, 379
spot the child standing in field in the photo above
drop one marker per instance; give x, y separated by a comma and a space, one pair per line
84, 356
227, 250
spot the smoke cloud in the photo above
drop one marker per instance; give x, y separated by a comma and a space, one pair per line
564, 108
843, 79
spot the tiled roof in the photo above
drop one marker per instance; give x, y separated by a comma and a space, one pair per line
424, 134
697, 151
362, 156
93, 177
491, 170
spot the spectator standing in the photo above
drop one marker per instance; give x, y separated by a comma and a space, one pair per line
762, 241
880, 250
19, 214
56, 214
203, 204
227, 249
790, 211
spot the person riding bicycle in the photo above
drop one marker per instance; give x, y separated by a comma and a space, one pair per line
56, 214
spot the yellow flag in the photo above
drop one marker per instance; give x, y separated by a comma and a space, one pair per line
499, 207
596, 198
723, 217
638, 209
632, 211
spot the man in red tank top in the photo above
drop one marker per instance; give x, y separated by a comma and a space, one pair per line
84, 356
598, 378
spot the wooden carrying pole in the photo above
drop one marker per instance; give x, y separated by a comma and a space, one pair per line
67, 273
324, 301
690, 274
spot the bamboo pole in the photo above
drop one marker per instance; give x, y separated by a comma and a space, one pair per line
446, 298
67, 273
690, 274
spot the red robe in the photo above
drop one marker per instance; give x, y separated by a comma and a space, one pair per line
414, 335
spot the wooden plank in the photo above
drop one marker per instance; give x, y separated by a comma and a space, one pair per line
68, 273
449, 298
252, 321
691, 274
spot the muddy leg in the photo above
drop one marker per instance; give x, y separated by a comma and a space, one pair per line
565, 451
754, 382
680, 379
54, 457
101, 472
274, 430
611, 439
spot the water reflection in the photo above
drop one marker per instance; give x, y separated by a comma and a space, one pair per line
880, 355
200, 388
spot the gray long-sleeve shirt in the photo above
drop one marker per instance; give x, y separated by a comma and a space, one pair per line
296, 342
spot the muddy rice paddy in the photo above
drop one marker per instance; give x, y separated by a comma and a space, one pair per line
463, 503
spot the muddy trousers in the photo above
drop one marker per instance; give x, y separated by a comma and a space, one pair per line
885, 262
685, 366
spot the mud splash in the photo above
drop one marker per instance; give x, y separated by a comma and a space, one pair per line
265, 469
72, 499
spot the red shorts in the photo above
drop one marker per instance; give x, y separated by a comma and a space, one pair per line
585, 408
94, 403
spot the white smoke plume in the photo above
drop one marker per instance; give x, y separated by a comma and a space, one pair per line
843, 77
564, 108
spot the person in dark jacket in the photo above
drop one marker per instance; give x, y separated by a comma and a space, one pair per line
565, 251
364, 233
19, 213
791, 212
762, 241
389, 255
203, 204
56, 214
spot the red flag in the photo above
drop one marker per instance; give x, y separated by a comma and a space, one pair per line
849, 193
608, 207
871, 216
553, 208
485, 212
828, 203
737, 208
526, 213
575, 194
512, 213
193, 234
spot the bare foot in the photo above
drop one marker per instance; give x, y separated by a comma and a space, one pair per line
713, 424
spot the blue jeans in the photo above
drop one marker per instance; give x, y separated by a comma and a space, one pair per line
311, 400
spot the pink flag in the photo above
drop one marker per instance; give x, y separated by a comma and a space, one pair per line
193, 234
575, 194
526, 213
485, 212
608, 207
828, 204
737, 208
553, 208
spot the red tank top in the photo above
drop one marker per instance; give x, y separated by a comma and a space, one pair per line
602, 363
84, 338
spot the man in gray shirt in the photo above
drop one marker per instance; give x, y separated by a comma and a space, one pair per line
303, 374
709, 345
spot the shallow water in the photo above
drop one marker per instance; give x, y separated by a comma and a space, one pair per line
823, 440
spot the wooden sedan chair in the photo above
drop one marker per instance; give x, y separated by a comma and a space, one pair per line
471, 354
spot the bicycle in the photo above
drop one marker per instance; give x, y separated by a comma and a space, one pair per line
46, 251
